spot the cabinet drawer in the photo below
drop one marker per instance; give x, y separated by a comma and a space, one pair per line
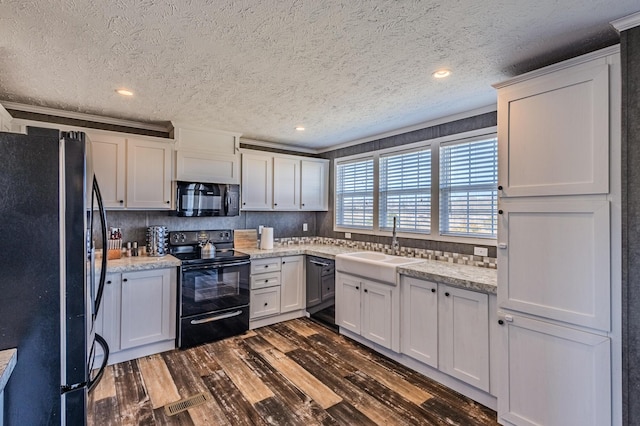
265, 302
272, 264
270, 279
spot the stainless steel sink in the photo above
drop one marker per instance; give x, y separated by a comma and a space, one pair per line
373, 265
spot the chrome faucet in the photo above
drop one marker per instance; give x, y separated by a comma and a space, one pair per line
395, 245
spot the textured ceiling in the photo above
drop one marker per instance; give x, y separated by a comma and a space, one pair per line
343, 69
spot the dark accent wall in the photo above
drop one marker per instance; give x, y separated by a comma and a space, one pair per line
324, 220
84, 123
630, 59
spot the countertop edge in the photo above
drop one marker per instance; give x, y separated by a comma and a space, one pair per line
448, 280
140, 263
8, 361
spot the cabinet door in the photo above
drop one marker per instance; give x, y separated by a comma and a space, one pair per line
107, 323
376, 313
146, 308
555, 261
265, 302
553, 375
314, 185
198, 166
348, 303
109, 166
419, 332
554, 133
286, 183
257, 182
148, 174
292, 285
464, 335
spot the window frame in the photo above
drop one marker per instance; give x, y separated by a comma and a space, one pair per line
434, 144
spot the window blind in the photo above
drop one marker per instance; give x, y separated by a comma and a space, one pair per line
468, 193
354, 194
405, 191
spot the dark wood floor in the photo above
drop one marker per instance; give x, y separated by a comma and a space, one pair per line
292, 373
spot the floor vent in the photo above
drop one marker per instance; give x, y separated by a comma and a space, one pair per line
184, 404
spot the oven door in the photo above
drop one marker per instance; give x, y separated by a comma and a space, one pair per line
210, 288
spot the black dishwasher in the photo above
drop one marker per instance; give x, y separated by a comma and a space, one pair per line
321, 289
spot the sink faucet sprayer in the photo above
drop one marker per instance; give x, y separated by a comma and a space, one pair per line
395, 246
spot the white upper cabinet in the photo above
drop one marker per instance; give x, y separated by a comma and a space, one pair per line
554, 261
148, 174
5, 120
284, 182
554, 132
314, 185
110, 168
207, 155
257, 181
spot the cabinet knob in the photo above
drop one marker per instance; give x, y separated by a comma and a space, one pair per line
125, 280
328, 288
283, 262
266, 281
433, 290
244, 204
266, 266
447, 294
168, 202
265, 303
500, 322
500, 211
109, 282
499, 187
302, 204
366, 291
121, 201
275, 204
357, 288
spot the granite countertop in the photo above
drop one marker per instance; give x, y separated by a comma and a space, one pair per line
8, 360
139, 263
456, 275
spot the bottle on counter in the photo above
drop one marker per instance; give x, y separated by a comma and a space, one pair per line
134, 250
128, 252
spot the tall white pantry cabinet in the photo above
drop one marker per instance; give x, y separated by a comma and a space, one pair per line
559, 247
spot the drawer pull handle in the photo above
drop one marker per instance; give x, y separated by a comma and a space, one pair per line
433, 290
109, 282
216, 318
265, 303
357, 288
366, 291
266, 281
447, 294
125, 280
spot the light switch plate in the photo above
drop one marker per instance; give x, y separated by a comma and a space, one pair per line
480, 251
347, 235
305, 227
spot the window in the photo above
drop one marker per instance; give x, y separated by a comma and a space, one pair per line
405, 191
354, 194
468, 188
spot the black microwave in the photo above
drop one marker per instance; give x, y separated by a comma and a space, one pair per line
207, 199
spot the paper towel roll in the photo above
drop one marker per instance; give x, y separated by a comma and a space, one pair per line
266, 242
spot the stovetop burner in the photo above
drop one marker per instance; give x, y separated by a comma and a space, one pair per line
222, 256
186, 246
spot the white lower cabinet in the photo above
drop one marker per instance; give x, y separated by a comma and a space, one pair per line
277, 290
365, 307
447, 328
463, 318
137, 313
553, 375
419, 326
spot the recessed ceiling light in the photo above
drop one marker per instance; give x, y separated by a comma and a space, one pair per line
442, 73
300, 128
124, 92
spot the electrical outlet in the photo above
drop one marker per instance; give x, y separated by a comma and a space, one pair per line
305, 227
260, 229
480, 251
347, 235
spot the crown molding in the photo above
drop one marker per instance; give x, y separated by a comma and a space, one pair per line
85, 117
275, 145
626, 22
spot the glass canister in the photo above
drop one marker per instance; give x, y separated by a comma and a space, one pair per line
157, 240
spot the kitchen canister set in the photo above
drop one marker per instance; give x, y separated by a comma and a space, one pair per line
157, 240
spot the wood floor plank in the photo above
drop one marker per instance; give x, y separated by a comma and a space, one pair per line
158, 381
105, 408
162, 419
332, 377
238, 410
301, 327
133, 402
253, 389
416, 415
347, 414
201, 360
188, 384
304, 409
277, 340
106, 388
384, 375
300, 377
247, 334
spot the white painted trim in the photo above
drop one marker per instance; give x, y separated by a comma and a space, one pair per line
274, 319
627, 22
276, 145
82, 116
182, 125
423, 125
602, 53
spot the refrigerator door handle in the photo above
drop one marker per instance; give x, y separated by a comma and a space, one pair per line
105, 349
103, 269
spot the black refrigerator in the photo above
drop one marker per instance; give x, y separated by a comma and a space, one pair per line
49, 295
